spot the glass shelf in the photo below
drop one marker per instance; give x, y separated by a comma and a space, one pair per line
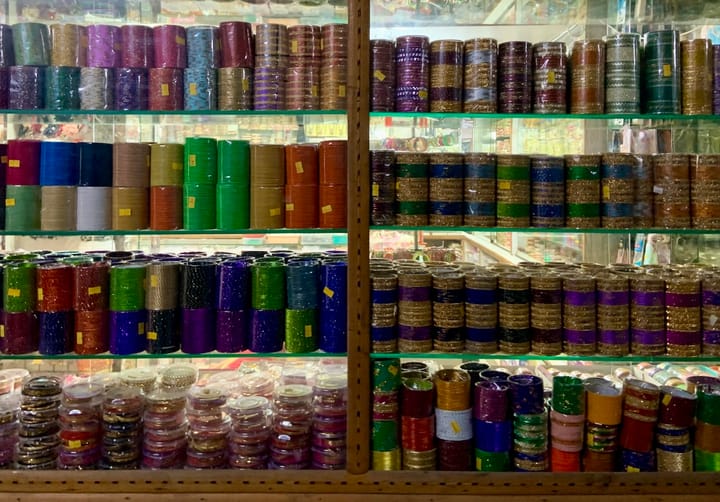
174, 355
538, 357
152, 113
548, 116
558, 230
151, 233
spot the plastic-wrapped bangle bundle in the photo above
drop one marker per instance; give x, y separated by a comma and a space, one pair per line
414, 311
58, 209
166, 164
26, 88
671, 175
97, 88
131, 89
31, 42
530, 442
59, 164
104, 46
169, 43
412, 66
122, 413
199, 206
268, 304
383, 311
579, 315
164, 430
448, 309
697, 76
235, 88
137, 46
166, 207
704, 195
329, 428
22, 207
618, 190
546, 314
233, 308
716, 79
567, 420
711, 315
677, 415
604, 415
130, 208
382, 75
446, 76
587, 85
200, 161
250, 432
332, 202
549, 77
208, 427
333, 306
479, 188
69, 45
165, 89
91, 301
412, 191
301, 316
161, 302
7, 52
302, 80
291, 437
19, 298
418, 425
513, 191
647, 315
80, 426
480, 82
622, 73
203, 47
513, 295
662, 72
333, 70
706, 430
234, 161
62, 88
613, 314
446, 189
491, 417
643, 175
200, 86
236, 43
197, 302
582, 191
640, 413
453, 421
683, 317
547, 176
382, 179
37, 448
515, 76
271, 51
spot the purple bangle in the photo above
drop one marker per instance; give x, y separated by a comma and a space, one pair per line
711, 337
579, 337
644, 337
613, 297
579, 299
406, 294
682, 299
711, 297
684, 337
415, 332
648, 299
613, 337
546, 296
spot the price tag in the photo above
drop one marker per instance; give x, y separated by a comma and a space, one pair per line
14, 292
341, 90
326, 209
14, 163
289, 207
294, 46
245, 85
74, 444
78, 338
478, 464
141, 328
551, 77
40, 294
606, 192
328, 292
376, 190
164, 90
308, 331
299, 167
314, 90
275, 211
179, 40
422, 94
2, 331
95, 290
9, 202
455, 427
504, 185
630, 468
192, 160
191, 202
667, 70
193, 89
379, 75
154, 281
125, 212
666, 400
152, 335
393, 370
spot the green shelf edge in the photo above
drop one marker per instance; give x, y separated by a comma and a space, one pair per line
553, 230
174, 355
538, 357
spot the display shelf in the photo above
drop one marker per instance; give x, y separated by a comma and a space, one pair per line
173, 355
548, 116
162, 113
545, 230
180, 232
539, 357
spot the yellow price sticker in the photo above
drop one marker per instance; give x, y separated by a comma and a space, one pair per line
666, 399
478, 464
299, 167
341, 90
551, 77
95, 290
164, 90
379, 75
667, 70
630, 468
191, 202
125, 212
393, 370
606, 192
326, 209
290, 207
9, 202
314, 90
245, 84
375, 190
74, 444
294, 46
2, 331
193, 89
423, 94
455, 427
275, 211
141, 328
154, 281
179, 40
152, 335
308, 331
14, 292
192, 160
78, 338
328, 292
504, 185
40, 294
14, 163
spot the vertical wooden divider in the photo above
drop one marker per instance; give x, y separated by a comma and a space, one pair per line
358, 228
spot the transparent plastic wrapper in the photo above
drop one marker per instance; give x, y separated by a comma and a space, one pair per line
26, 88
235, 88
550, 77
412, 67
587, 85
269, 88
697, 76
31, 44
131, 89
446, 76
137, 46
480, 75
271, 40
622, 73
104, 46
382, 75
203, 47
671, 187
662, 72
97, 88
166, 91
62, 88
200, 89
302, 86
69, 45
169, 42
236, 43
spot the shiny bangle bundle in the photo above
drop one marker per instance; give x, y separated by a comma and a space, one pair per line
602, 430
19, 298
481, 313
137, 47
268, 304
662, 75
446, 76
161, 302
513, 295
104, 44
54, 308
676, 417
412, 191
550, 77
250, 432
418, 424
530, 442
707, 446
622, 73
513, 191
479, 188
329, 427
567, 419
97, 88
515, 77
492, 426
546, 313
644, 191
618, 190
697, 76
446, 189
382, 179
453, 420
166, 177
301, 316
233, 277
711, 315
62, 88
683, 316
383, 310
127, 308
587, 82
671, 174
198, 283
208, 427
582, 191
131, 89
332, 187
579, 315
37, 447
267, 186
414, 311
480, 79
122, 414
91, 302
547, 192
613, 314
26, 88
271, 53
640, 413
448, 311
334, 67
647, 315
165, 91
412, 66
382, 75
303, 73
704, 186
235, 88
386, 452
69, 45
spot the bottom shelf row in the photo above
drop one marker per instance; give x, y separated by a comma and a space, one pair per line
643, 418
